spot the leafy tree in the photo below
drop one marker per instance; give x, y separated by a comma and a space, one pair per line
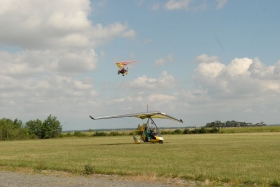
34, 128
51, 127
216, 123
10, 130
23, 133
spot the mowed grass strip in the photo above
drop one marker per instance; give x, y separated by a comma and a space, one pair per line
247, 158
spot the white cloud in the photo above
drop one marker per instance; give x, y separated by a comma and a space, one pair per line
165, 81
139, 2
239, 67
209, 70
244, 90
54, 42
178, 4
129, 34
54, 24
243, 77
102, 3
39, 97
162, 61
139, 101
221, 3
204, 58
32, 63
248, 110
156, 6
194, 5
161, 98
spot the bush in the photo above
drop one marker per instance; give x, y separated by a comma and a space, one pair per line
79, 134
275, 183
167, 132
178, 131
186, 131
115, 133
88, 169
202, 130
68, 134
214, 130
100, 134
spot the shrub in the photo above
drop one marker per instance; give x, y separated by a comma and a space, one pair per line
186, 131
214, 130
88, 169
195, 131
79, 134
68, 134
202, 130
41, 165
114, 133
274, 183
178, 131
100, 134
167, 132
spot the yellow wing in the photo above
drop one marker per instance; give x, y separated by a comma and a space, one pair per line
119, 65
142, 115
124, 63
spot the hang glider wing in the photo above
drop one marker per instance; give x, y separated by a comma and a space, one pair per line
124, 63
142, 115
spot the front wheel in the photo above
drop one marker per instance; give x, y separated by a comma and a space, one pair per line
161, 142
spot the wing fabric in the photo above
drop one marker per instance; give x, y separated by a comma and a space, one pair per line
142, 115
124, 63
119, 65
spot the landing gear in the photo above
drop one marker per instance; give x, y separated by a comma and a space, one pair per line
161, 142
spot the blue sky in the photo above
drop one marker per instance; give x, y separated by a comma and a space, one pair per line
198, 60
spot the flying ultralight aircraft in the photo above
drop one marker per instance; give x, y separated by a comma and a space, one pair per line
121, 66
148, 131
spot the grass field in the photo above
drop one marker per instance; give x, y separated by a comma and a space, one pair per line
237, 159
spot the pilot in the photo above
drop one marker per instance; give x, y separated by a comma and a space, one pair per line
122, 71
147, 134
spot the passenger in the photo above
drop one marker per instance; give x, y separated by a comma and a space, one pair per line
152, 134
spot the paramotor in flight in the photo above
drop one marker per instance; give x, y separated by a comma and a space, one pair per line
122, 65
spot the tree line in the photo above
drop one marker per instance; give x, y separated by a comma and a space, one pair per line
232, 123
33, 129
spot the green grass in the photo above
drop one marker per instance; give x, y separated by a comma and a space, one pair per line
238, 159
250, 129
